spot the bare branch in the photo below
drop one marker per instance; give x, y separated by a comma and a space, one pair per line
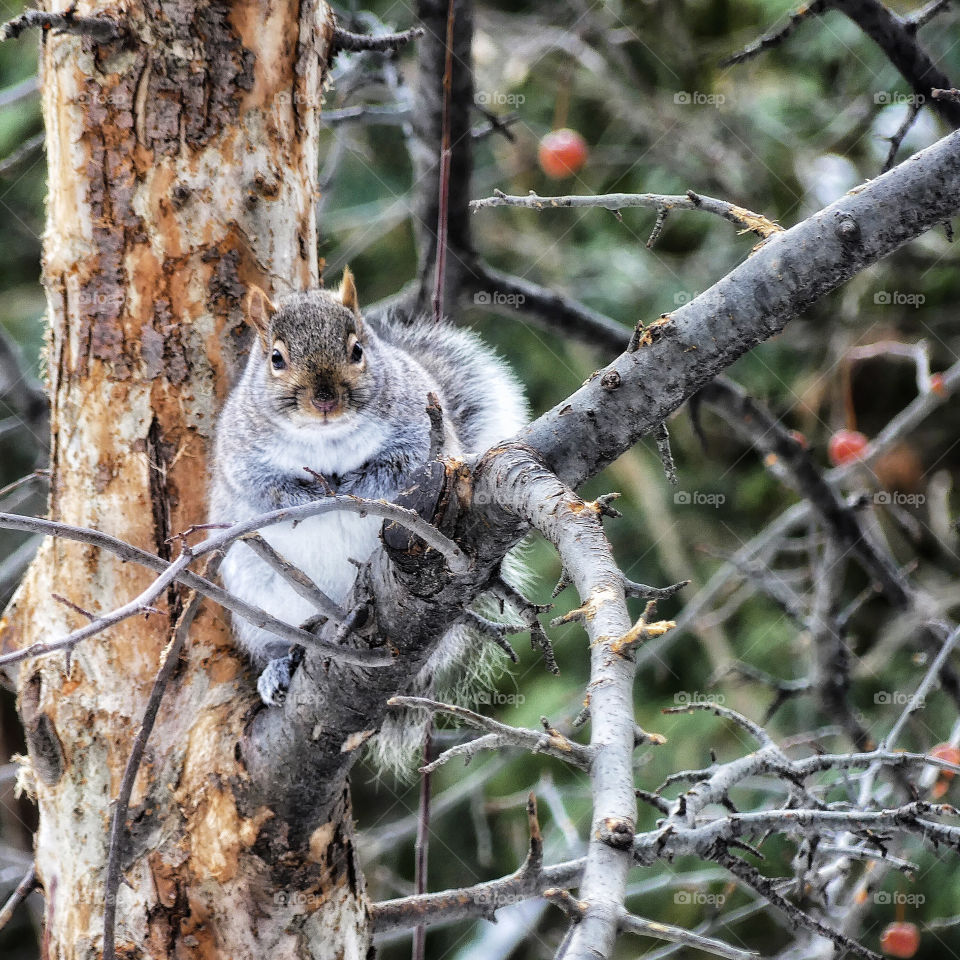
899, 42
169, 663
924, 15
484, 286
745, 219
480, 900
346, 42
778, 446
701, 338
297, 579
23, 889
219, 541
629, 923
765, 887
20, 153
552, 743
913, 111
19, 91
774, 39
128, 552
100, 29
754, 729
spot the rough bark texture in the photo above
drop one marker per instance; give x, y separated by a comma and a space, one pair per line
182, 168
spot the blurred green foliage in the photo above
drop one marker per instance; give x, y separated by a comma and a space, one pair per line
782, 135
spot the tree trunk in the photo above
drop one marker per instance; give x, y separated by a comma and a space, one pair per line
182, 163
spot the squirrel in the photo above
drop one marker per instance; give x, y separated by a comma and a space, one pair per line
330, 400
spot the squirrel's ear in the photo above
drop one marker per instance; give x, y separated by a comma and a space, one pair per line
259, 312
348, 291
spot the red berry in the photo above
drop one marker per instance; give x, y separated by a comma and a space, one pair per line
800, 438
562, 153
900, 939
846, 446
944, 751
937, 385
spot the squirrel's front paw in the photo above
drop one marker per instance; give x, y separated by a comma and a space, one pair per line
275, 680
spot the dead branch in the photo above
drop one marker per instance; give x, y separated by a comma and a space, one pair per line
346, 42
121, 806
745, 219
23, 889
552, 743
629, 923
775, 38
100, 29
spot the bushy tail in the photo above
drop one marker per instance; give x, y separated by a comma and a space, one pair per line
462, 670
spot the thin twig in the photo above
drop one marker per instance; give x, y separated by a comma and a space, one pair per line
22, 891
19, 91
454, 556
446, 152
298, 581
422, 845
740, 216
101, 29
346, 42
777, 37
765, 887
18, 155
912, 113
169, 663
924, 15
551, 742
630, 923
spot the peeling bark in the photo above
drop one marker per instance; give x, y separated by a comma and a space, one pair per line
182, 168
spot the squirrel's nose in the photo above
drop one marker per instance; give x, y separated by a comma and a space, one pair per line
325, 398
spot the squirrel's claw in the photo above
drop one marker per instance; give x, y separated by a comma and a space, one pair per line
275, 680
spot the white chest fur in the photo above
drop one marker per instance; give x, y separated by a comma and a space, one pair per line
322, 547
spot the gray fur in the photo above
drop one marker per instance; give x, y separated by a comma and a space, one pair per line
269, 431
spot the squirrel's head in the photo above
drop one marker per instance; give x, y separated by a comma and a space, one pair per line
314, 346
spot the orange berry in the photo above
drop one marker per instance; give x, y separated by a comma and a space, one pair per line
845, 446
562, 153
948, 752
900, 939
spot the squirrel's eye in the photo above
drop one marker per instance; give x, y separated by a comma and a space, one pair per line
277, 361
356, 355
